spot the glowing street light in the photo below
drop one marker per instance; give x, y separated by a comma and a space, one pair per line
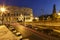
2, 9
58, 13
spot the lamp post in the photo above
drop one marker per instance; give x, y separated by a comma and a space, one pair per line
2, 9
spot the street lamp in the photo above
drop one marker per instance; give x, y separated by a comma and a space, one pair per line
59, 14
2, 9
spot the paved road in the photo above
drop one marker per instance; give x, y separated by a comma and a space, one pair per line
31, 34
44, 23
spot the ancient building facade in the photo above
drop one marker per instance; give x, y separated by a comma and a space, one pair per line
14, 13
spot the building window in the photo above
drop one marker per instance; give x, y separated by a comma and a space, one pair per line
27, 18
8, 14
26, 14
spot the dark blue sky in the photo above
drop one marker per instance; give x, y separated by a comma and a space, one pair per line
36, 5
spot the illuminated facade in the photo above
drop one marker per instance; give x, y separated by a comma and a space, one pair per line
17, 14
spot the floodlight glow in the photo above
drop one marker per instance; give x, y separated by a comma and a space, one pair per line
3, 9
58, 13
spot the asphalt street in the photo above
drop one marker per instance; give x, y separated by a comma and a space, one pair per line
31, 34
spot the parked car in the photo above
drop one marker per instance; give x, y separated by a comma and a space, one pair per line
48, 31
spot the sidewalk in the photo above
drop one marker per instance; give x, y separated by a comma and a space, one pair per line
6, 34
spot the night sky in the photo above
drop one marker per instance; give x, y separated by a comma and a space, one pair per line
36, 5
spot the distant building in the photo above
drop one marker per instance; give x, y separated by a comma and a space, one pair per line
53, 16
56, 16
